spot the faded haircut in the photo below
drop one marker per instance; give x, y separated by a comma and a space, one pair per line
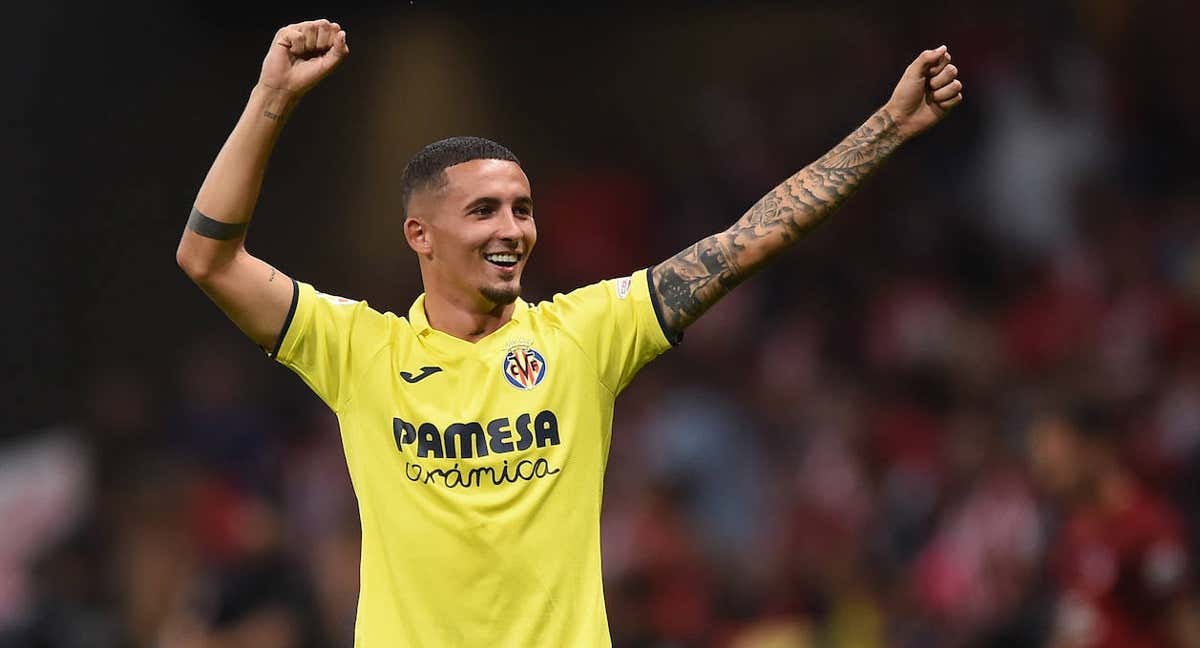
427, 169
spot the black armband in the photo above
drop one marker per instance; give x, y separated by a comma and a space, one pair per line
214, 229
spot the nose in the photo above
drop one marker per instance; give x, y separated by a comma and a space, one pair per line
507, 226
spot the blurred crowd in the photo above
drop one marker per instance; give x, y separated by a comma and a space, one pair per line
964, 412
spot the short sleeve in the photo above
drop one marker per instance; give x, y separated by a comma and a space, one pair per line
327, 340
617, 322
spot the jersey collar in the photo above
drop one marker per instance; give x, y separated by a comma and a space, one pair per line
420, 323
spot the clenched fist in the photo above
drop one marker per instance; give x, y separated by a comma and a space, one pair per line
927, 91
303, 54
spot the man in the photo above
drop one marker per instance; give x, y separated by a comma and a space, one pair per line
1119, 559
476, 428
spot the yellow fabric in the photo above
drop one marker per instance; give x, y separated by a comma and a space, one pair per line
479, 496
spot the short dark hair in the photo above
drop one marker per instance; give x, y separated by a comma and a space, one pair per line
427, 169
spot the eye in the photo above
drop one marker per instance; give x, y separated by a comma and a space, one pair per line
482, 210
523, 210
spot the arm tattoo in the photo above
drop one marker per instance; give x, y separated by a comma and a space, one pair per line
272, 277
214, 229
270, 115
693, 280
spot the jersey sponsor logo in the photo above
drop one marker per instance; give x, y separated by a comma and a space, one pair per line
425, 373
623, 285
474, 439
523, 367
477, 476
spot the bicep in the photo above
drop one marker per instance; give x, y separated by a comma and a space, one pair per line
253, 294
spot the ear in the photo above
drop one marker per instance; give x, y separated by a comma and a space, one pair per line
417, 236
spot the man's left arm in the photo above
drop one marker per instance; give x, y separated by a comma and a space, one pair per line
690, 282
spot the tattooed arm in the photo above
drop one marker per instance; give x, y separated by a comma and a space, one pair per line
212, 249
690, 282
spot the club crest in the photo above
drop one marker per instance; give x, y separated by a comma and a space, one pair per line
523, 367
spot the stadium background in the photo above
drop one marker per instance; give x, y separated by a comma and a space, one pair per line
823, 461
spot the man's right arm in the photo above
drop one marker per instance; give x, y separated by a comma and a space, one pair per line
212, 250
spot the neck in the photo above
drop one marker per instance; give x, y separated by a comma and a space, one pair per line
464, 319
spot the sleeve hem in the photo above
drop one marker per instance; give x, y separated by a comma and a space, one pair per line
287, 322
674, 337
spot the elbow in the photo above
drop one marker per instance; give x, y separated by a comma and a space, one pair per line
193, 265
198, 264
187, 262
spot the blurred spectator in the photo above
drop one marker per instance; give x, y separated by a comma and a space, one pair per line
1120, 560
830, 458
1044, 133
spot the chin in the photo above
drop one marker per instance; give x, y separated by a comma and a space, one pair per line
501, 295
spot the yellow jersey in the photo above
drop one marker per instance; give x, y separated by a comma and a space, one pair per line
478, 467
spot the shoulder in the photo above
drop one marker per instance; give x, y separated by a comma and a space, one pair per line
563, 305
601, 295
353, 316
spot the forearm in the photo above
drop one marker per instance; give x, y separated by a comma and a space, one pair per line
231, 188
696, 278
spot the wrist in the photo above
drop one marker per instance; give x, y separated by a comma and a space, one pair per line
899, 121
273, 103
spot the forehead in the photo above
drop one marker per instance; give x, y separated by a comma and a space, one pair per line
493, 178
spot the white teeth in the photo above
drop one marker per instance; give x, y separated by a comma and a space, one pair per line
502, 258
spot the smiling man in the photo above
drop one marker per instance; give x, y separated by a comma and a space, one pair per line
476, 427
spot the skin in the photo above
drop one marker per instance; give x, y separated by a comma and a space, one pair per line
483, 207
689, 283
468, 297
254, 294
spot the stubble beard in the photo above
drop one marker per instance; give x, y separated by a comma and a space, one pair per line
501, 296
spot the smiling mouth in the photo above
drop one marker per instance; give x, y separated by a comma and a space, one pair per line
506, 260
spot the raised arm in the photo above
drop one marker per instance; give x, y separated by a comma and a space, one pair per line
212, 250
690, 282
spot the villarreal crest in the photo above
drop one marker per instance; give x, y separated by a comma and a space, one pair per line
524, 367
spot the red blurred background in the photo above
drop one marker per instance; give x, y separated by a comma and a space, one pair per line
868, 445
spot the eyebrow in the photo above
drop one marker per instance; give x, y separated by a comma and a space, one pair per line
491, 201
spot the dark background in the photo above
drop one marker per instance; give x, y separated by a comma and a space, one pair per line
1044, 240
